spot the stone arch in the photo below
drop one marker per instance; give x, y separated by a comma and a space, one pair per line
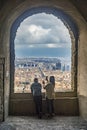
68, 22
67, 15
73, 30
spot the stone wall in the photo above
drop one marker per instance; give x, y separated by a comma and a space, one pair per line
8, 15
1, 89
82, 70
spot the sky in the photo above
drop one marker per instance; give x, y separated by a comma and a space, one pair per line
42, 35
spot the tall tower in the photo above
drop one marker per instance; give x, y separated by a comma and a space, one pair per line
64, 67
58, 66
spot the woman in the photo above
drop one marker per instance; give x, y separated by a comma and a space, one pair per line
50, 95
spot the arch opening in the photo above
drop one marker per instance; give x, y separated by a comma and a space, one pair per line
42, 48
68, 22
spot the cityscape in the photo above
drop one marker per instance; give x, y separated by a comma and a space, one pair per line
26, 69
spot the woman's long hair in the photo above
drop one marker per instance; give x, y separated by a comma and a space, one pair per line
52, 80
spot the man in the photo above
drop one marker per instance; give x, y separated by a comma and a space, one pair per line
37, 96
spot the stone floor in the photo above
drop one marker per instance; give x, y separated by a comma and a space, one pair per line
55, 123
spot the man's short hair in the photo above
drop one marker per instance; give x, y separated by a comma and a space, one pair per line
35, 79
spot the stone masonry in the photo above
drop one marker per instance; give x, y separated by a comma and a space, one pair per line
1, 88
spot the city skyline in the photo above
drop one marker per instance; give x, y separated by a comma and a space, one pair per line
57, 59
26, 69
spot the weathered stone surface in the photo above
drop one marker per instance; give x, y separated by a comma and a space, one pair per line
1, 88
7, 127
55, 123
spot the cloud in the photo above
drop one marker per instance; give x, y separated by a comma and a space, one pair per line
37, 30
42, 31
43, 52
51, 45
37, 33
